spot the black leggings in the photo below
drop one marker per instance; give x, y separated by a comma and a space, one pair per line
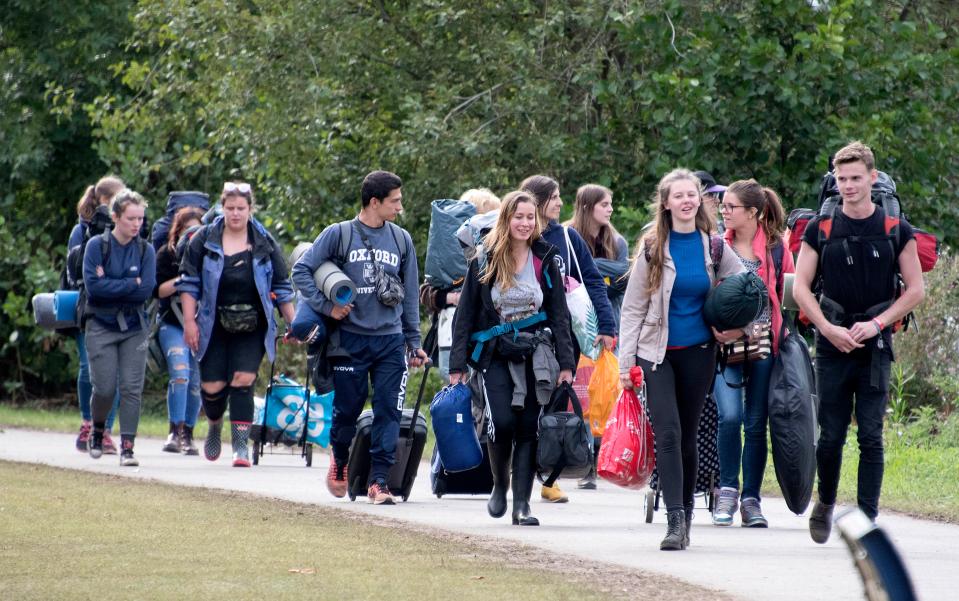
676, 391
505, 422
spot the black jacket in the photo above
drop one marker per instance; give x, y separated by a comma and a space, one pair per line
475, 313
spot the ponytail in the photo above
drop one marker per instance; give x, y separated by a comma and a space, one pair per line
772, 218
87, 204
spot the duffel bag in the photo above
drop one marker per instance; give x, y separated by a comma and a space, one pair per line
565, 446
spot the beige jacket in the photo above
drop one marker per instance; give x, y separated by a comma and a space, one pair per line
644, 324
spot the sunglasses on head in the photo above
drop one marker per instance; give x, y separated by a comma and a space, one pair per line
237, 188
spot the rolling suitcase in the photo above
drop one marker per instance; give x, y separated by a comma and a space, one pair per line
476, 481
409, 450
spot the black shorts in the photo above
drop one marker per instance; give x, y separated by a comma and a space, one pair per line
229, 353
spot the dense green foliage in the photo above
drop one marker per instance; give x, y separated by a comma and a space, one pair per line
303, 98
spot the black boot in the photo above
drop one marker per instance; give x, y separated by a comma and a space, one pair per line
524, 457
675, 531
499, 460
173, 440
688, 511
186, 441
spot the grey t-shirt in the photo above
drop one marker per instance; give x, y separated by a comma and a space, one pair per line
522, 300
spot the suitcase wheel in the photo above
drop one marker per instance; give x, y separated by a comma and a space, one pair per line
405, 497
308, 451
256, 453
439, 496
649, 501
352, 496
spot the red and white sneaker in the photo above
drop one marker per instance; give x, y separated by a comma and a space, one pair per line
379, 494
337, 478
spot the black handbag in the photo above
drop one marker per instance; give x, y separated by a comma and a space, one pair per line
565, 446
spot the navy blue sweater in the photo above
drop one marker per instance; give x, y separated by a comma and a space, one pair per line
589, 277
117, 290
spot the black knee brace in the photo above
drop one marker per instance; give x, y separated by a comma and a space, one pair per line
241, 403
214, 403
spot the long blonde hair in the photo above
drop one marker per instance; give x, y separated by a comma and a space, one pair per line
587, 197
500, 266
655, 239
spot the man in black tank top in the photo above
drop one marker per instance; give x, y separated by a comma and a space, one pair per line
858, 257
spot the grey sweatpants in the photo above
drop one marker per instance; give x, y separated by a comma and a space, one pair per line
117, 358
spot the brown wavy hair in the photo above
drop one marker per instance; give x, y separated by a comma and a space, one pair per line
181, 218
655, 239
500, 266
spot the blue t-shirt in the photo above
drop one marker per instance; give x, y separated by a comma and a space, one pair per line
686, 324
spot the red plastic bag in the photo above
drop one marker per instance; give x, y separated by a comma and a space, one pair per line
626, 457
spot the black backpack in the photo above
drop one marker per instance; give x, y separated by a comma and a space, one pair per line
71, 278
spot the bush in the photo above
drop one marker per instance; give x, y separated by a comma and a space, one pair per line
928, 349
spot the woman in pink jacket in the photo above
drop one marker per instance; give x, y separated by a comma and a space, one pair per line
754, 221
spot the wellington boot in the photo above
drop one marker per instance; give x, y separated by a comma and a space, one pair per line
524, 456
499, 461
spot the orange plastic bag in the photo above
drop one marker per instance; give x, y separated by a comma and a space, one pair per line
603, 391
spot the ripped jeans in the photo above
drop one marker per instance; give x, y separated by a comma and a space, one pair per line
183, 392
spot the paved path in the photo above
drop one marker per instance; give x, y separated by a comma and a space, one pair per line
607, 525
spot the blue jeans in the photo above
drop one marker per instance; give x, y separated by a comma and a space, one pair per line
183, 391
85, 387
735, 417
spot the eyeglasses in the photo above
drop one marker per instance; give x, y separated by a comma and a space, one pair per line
728, 208
237, 188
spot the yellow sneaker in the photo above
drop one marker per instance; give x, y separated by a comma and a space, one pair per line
552, 494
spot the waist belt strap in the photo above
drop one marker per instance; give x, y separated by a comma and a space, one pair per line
480, 338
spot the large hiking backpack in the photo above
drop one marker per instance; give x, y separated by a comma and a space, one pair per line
175, 201
71, 278
445, 265
885, 196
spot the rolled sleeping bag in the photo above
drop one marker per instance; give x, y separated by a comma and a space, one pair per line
45, 315
735, 302
330, 279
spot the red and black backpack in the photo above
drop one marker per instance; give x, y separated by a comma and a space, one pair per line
830, 204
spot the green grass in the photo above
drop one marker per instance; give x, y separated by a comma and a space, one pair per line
68, 420
920, 480
74, 535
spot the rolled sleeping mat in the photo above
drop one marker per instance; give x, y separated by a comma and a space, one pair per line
789, 301
335, 284
65, 305
332, 282
45, 315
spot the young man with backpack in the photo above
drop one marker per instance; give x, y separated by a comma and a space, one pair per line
378, 333
865, 261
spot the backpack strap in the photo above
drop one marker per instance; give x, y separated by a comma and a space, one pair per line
346, 240
777, 254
